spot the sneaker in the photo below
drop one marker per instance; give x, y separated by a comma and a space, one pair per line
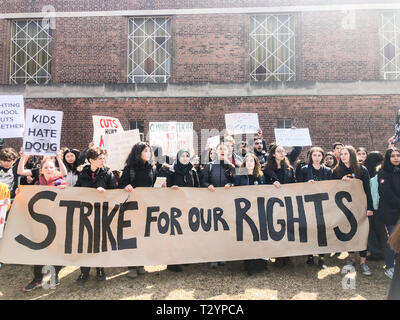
83, 277
389, 272
100, 275
365, 269
175, 268
33, 285
53, 286
321, 263
132, 273
310, 261
141, 270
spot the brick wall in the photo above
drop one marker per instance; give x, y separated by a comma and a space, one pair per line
104, 5
205, 48
90, 50
358, 120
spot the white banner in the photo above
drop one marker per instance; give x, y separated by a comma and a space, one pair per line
11, 116
103, 126
293, 137
241, 123
172, 136
42, 132
119, 146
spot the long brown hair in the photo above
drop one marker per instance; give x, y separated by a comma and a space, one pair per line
355, 166
271, 162
257, 166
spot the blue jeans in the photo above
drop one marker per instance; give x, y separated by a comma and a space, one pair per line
389, 253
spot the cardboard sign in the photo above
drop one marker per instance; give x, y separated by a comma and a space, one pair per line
172, 136
241, 123
118, 147
293, 137
103, 126
11, 117
159, 226
42, 132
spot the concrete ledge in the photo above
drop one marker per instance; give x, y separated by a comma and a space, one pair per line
204, 90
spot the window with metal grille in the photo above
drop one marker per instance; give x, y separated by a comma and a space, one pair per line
149, 50
134, 124
390, 45
284, 123
30, 52
272, 48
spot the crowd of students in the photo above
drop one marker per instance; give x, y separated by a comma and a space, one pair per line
222, 167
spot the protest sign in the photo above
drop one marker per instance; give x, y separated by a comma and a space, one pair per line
213, 142
42, 132
103, 126
11, 116
162, 226
397, 128
118, 147
293, 137
241, 123
172, 136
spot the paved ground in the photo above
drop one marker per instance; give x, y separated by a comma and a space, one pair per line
199, 281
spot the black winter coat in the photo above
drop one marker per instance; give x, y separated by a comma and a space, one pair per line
101, 178
284, 175
364, 177
178, 178
217, 173
389, 195
306, 174
143, 176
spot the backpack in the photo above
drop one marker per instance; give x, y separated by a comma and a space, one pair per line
373, 183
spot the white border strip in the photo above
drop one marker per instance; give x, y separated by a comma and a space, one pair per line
171, 12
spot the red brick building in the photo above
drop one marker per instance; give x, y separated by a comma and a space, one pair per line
331, 68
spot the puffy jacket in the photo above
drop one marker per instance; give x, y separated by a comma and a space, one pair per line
101, 178
389, 192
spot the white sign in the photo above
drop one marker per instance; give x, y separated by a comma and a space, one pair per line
293, 137
11, 117
241, 123
119, 146
103, 126
42, 132
172, 136
213, 142
3, 212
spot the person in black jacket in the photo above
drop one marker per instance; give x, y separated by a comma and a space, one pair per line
315, 170
278, 171
95, 175
259, 151
138, 172
182, 174
348, 168
250, 173
218, 173
378, 237
389, 200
